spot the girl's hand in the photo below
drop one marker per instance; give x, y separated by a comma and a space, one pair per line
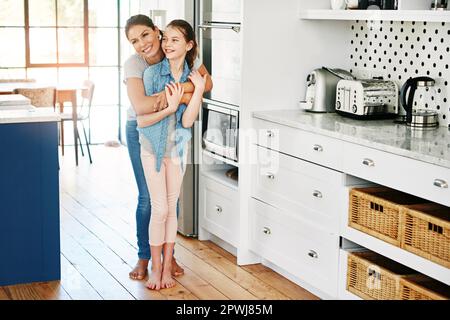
197, 79
174, 92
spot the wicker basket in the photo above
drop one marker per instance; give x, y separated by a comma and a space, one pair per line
377, 211
374, 277
427, 232
421, 287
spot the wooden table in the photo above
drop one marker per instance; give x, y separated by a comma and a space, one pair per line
64, 93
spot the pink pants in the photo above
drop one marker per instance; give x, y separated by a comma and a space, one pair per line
164, 188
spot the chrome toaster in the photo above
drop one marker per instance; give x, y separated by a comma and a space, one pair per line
367, 99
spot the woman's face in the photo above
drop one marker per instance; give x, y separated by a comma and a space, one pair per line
174, 44
145, 40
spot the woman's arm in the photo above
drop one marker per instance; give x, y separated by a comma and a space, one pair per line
152, 118
193, 108
188, 87
141, 103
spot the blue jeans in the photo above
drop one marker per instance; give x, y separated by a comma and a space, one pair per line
143, 211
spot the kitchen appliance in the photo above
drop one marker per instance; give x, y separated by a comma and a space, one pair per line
220, 48
367, 99
321, 89
218, 33
416, 95
220, 130
439, 4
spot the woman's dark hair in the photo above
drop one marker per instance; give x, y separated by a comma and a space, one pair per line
139, 20
189, 35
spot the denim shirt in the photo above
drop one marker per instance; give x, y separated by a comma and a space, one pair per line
155, 78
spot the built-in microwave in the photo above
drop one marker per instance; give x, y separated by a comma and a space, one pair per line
220, 126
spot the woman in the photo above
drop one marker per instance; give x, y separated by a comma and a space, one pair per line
164, 137
145, 38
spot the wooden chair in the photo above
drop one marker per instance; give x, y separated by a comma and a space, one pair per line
40, 97
83, 114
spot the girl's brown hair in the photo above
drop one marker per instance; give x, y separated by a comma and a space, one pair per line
189, 35
139, 20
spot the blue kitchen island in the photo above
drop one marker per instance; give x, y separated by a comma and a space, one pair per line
29, 197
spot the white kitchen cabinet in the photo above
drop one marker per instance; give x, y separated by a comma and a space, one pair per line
302, 144
309, 191
304, 249
218, 209
279, 179
408, 175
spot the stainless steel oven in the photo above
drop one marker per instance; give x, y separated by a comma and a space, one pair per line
220, 130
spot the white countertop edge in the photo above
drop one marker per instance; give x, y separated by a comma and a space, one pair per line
30, 120
265, 115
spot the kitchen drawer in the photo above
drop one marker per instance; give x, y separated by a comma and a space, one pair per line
301, 248
415, 177
219, 209
302, 144
314, 192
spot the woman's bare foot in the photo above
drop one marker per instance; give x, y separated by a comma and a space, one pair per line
166, 280
154, 279
176, 269
140, 270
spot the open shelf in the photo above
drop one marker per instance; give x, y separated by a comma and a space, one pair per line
404, 257
376, 15
219, 175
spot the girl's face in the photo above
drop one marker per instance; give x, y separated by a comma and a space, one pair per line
144, 40
174, 44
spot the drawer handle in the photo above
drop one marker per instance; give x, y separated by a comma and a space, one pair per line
369, 162
441, 183
317, 194
218, 209
267, 230
270, 134
317, 148
313, 254
270, 176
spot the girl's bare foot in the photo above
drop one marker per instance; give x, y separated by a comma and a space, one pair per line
166, 280
154, 279
176, 269
140, 270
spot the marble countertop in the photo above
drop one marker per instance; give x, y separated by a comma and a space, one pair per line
28, 114
432, 145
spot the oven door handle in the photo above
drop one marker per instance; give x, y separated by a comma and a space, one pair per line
227, 111
235, 27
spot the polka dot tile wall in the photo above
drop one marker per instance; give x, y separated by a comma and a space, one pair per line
401, 50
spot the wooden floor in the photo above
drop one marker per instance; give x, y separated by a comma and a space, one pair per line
98, 246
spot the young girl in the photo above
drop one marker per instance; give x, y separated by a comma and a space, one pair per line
145, 38
164, 136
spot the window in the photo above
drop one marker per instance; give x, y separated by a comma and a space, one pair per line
63, 25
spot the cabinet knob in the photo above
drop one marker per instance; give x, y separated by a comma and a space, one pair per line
317, 194
270, 134
267, 230
313, 254
368, 162
218, 209
317, 148
270, 176
441, 183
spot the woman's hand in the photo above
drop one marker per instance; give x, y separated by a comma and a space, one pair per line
197, 79
161, 101
174, 92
